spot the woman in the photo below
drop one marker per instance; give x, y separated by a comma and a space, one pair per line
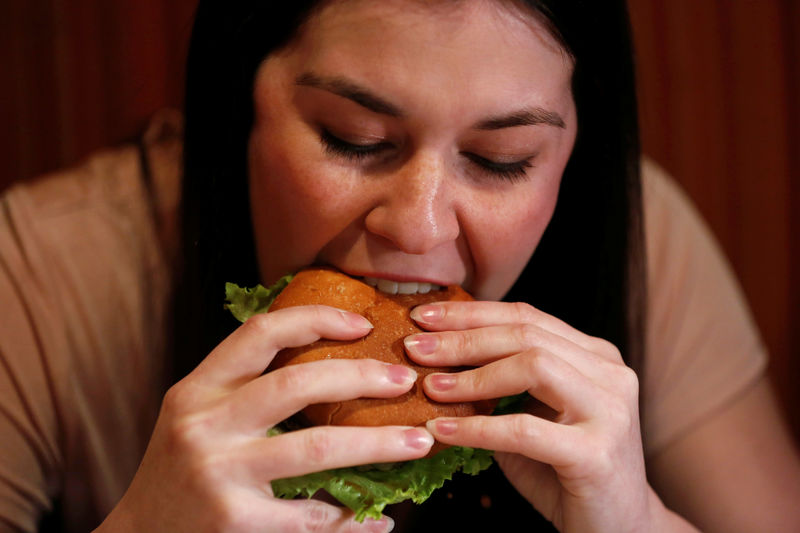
490, 144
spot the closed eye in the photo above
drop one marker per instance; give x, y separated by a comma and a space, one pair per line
337, 146
512, 171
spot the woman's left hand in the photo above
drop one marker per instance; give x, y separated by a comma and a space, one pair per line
578, 458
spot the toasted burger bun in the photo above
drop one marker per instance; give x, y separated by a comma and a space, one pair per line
390, 316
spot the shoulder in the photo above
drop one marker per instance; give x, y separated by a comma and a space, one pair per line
103, 215
86, 252
702, 345
665, 203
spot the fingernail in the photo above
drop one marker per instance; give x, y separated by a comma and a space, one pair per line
427, 314
355, 320
402, 375
442, 426
442, 382
385, 524
421, 344
417, 438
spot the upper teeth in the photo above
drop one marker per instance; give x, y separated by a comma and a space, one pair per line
395, 287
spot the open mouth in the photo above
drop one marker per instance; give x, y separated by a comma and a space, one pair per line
401, 287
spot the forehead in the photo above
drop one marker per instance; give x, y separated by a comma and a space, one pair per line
455, 11
338, 18
466, 45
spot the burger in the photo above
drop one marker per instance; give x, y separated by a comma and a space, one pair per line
366, 489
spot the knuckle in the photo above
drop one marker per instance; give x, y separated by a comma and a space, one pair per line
536, 363
187, 419
621, 416
481, 430
258, 324
319, 313
630, 382
366, 369
323, 316
601, 459
605, 348
625, 385
184, 422
182, 398
318, 446
461, 343
317, 516
527, 335
524, 311
521, 431
186, 436
174, 400
290, 379
476, 380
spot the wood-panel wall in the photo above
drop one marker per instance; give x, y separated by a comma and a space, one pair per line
719, 89
78, 75
719, 98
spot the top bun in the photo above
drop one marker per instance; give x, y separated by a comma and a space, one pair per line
389, 315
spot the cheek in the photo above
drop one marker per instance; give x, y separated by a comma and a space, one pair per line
534, 219
531, 227
508, 237
296, 204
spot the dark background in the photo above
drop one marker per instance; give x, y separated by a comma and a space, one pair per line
719, 99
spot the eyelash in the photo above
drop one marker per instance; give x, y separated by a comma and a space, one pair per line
336, 146
514, 171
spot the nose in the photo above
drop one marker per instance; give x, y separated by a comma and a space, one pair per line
416, 211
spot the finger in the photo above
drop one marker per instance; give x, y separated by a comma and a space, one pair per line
321, 448
312, 515
479, 346
275, 396
547, 377
540, 440
441, 316
244, 508
247, 352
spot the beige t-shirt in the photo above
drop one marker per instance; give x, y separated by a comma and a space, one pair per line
84, 285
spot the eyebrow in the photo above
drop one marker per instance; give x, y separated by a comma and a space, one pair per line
526, 117
352, 91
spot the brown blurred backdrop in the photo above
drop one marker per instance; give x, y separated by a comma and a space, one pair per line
719, 99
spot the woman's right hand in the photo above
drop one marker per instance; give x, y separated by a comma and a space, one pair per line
209, 463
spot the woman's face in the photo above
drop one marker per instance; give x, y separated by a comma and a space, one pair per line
411, 142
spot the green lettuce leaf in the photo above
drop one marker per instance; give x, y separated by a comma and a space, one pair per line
245, 302
367, 490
